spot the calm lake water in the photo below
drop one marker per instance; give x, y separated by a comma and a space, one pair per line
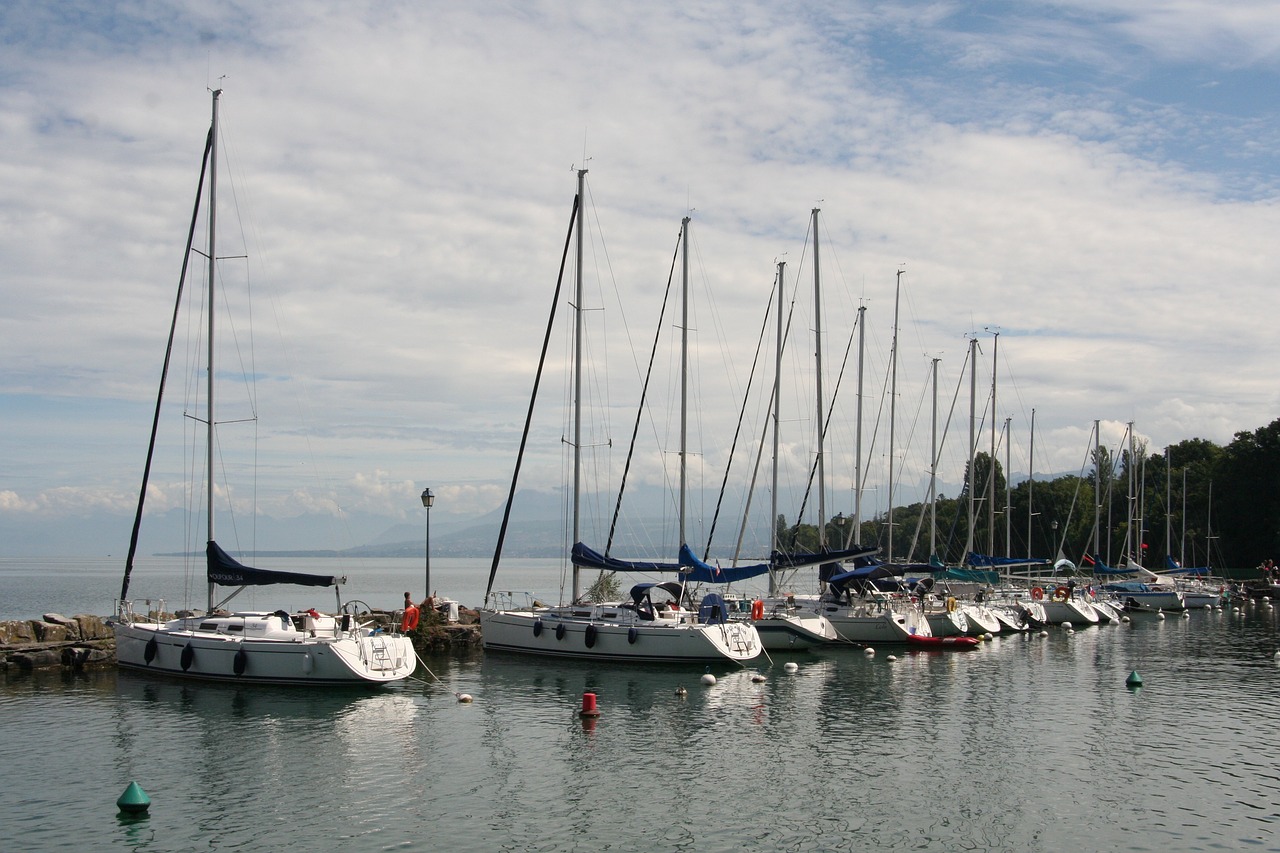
1022, 745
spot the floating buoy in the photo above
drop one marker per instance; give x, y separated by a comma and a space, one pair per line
1134, 680
989, 636
790, 666
681, 691
1124, 619
1067, 626
464, 698
589, 708
891, 657
708, 679
1044, 633
1186, 614
868, 651
134, 800
757, 677
1160, 615
1276, 656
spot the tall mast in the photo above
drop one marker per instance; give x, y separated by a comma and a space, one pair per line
1031, 479
577, 387
684, 370
777, 390
213, 269
991, 475
973, 441
1008, 495
857, 458
1097, 483
817, 349
893, 405
933, 465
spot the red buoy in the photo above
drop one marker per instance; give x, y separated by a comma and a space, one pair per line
589, 708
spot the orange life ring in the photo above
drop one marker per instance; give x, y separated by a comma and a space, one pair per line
1062, 593
757, 609
1037, 593
410, 619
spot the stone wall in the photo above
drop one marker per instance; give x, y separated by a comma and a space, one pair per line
55, 640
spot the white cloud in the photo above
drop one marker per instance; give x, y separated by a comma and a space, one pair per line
404, 173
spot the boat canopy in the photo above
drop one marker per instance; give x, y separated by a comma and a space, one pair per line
641, 590
225, 570
696, 571
589, 558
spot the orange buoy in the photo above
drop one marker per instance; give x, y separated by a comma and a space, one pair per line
410, 619
589, 708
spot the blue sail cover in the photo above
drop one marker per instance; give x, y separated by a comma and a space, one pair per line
1101, 568
586, 558
697, 571
1176, 568
985, 560
782, 560
225, 570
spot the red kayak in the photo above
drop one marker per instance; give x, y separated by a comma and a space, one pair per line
940, 643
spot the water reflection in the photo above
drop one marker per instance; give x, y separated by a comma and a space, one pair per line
1023, 743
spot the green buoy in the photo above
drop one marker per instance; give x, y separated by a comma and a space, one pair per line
1134, 680
134, 800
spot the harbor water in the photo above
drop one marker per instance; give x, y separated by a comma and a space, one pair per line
1026, 743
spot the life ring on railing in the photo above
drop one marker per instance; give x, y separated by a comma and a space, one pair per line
951, 604
410, 619
757, 609
1062, 593
1037, 593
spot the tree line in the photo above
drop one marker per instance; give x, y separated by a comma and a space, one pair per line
1198, 502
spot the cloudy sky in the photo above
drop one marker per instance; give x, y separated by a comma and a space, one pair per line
1096, 182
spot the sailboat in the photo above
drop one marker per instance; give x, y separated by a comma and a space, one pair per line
655, 622
261, 647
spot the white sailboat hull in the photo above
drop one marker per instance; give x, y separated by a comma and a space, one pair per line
182, 650
875, 623
786, 631
558, 633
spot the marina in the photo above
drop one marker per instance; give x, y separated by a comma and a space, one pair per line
1173, 765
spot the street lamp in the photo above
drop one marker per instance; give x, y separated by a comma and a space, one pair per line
427, 500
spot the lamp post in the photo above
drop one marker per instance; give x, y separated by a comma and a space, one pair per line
427, 500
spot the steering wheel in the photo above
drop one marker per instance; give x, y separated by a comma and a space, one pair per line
353, 608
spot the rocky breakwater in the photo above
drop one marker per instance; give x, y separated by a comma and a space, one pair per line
76, 642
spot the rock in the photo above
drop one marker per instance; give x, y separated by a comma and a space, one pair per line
72, 626
93, 627
16, 632
37, 659
80, 657
49, 632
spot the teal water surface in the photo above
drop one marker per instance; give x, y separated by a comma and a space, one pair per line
1023, 744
